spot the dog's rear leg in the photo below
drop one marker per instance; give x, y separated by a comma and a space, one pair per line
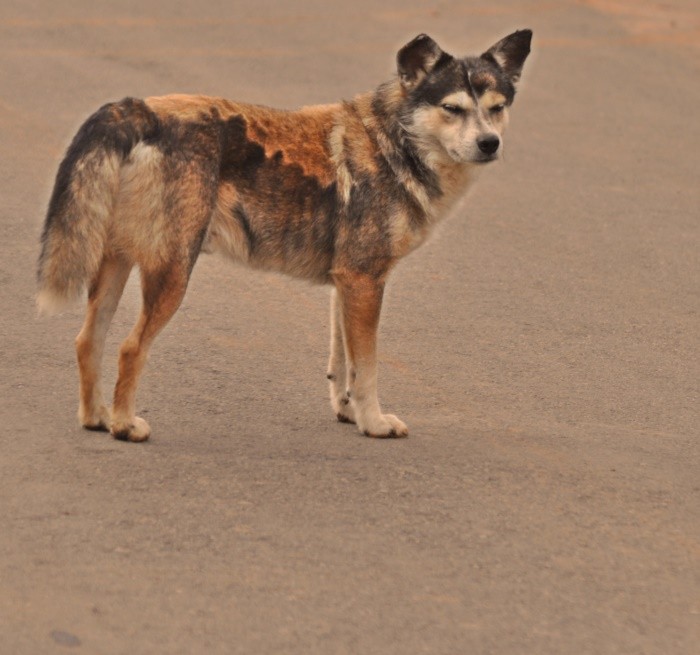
360, 299
337, 370
103, 298
163, 291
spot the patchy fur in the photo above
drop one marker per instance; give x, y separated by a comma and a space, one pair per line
334, 194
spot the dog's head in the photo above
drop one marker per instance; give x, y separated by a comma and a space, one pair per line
459, 107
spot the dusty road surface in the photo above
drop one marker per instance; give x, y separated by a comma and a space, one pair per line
542, 348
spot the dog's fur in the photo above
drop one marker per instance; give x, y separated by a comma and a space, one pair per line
334, 194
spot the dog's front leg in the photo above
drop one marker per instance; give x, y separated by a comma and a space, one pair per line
337, 370
360, 300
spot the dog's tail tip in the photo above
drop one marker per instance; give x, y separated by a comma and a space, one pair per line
50, 302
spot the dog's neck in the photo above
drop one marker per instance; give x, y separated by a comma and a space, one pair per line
431, 177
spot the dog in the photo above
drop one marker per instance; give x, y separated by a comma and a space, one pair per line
336, 194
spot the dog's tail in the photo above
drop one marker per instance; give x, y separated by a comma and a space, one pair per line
83, 201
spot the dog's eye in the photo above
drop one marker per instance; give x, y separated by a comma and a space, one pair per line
497, 109
453, 109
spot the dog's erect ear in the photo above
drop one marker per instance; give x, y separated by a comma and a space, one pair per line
511, 52
416, 59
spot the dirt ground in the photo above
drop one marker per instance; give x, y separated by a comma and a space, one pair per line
543, 349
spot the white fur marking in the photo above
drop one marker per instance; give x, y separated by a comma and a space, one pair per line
459, 99
344, 178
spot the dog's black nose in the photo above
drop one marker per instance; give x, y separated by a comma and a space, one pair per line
488, 144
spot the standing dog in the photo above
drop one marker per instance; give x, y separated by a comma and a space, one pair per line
334, 193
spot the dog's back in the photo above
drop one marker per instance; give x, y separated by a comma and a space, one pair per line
144, 179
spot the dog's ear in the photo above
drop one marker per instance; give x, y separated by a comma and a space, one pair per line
416, 59
510, 53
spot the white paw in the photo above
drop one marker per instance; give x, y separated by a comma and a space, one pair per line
95, 419
344, 411
384, 425
138, 430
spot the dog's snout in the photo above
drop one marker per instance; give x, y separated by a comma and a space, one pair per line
488, 144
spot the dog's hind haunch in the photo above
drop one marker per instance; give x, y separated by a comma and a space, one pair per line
334, 194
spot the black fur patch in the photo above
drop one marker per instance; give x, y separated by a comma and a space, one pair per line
473, 75
240, 215
305, 234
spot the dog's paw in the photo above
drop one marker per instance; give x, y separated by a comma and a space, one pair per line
96, 419
385, 425
344, 411
136, 431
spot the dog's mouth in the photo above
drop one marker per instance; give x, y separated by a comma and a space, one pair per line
485, 159
480, 158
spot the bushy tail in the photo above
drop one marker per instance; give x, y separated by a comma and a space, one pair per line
83, 201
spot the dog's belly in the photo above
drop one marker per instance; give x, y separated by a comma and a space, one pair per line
293, 233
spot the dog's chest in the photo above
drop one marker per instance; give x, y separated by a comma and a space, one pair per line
410, 234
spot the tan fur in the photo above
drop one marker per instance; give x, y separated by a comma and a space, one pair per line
102, 303
190, 107
140, 221
93, 197
226, 236
360, 300
491, 99
460, 99
337, 142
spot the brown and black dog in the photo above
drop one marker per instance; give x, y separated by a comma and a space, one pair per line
334, 194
